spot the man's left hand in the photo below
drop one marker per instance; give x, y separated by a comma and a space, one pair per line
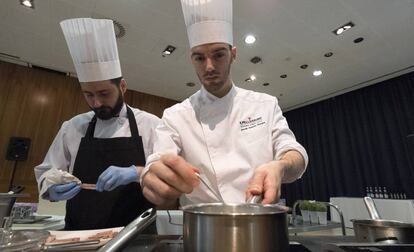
267, 181
115, 176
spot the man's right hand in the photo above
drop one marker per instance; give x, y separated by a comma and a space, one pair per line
63, 191
167, 179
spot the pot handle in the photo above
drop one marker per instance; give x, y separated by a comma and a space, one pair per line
130, 231
255, 199
372, 210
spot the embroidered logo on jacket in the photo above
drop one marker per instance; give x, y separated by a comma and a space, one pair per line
250, 123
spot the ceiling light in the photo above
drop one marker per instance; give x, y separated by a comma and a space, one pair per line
358, 40
168, 50
343, 28
328, 54
190, 84
304, 66
255, 59
27, 3
266, 84
340, 31
250, 39
251, 78
317, 73
283, 76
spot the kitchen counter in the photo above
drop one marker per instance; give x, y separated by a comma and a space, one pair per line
55, 222
307, 227
173, 243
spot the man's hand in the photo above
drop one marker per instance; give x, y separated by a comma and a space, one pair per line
267, 181
268, 178
115, 176
63, 191
167, 179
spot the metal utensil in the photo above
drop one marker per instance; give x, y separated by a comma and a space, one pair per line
58, 247
209, 187
380, 230
130, 231
255, 199
372, 210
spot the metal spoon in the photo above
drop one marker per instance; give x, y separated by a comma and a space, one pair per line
209, 187
255, 199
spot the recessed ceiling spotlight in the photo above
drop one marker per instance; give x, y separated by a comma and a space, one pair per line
328, 54
168, 50
250, 39
317, 73
190, 84
358, 40
27, 3
250, 79
255, 59
266, 84
304, 66
283, 76
342, 28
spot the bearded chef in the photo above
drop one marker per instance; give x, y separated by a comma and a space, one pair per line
236, 139
107, 146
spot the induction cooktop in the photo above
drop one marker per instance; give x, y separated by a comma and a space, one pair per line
367, 247
178, 247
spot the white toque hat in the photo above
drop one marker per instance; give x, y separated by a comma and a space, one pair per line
208, 21
92, 45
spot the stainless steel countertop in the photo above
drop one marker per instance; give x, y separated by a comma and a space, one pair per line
307, 227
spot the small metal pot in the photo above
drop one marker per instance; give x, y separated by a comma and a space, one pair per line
235, 227
379, 230
7, 201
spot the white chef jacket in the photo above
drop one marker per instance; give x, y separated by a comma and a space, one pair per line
62, 153
226, 139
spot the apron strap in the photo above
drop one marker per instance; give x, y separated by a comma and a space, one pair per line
132, 123
91, 128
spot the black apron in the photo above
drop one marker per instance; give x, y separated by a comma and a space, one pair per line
91, 209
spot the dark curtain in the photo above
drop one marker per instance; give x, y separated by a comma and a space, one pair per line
356, 140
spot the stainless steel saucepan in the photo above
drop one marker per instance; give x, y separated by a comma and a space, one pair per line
235, 227
380, 230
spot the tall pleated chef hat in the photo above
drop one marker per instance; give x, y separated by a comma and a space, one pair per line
208, 21
92, 45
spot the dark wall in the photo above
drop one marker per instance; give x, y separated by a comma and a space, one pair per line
356, 140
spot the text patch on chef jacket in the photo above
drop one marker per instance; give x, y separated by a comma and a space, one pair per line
251, 123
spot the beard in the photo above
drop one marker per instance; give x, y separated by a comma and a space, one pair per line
106, 112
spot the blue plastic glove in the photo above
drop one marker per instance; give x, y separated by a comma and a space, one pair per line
115, 176
63, 191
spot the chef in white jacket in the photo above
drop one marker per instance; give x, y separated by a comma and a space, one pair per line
107, 146
236, 139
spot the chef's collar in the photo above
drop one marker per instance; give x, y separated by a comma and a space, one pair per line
122, 114
209, 98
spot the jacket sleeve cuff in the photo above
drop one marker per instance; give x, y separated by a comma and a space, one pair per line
151, 159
